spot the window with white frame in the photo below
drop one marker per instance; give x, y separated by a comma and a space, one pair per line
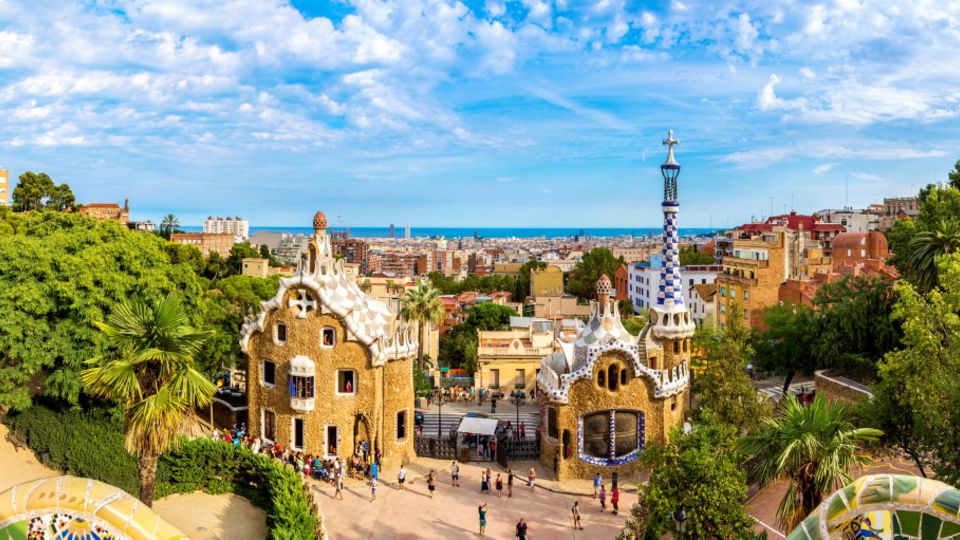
346, 382
268, 373
280, 333
328, 337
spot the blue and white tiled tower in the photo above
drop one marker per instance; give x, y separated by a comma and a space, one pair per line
670, 317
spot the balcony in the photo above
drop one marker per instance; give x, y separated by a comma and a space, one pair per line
303, 405
746, 263
515, 351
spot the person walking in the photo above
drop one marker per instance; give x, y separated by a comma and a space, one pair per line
603, 499
483, 518
431, 483
455, 474
484, 482
493, 450
531, 478
523, 431
521, 530
401, 477
509, 482
597, 481
575, 515
615, 500
373, 488
499, 486
339, 494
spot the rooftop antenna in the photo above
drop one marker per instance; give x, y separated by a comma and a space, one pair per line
846, 195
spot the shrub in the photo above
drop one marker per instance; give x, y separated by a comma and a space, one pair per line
89, 444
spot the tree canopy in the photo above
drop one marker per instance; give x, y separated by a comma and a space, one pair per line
707, 458
690, 256
36, 191
61, 272
917, 397
582, 280
916, 243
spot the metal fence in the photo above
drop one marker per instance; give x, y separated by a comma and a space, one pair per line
435, 448
516, 450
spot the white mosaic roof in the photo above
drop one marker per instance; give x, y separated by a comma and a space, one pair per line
605, 333
368, 320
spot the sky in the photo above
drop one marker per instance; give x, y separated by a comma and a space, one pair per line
480, 113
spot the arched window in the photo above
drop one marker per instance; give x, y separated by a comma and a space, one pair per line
623, 377
612, 378
602, 378
676, 347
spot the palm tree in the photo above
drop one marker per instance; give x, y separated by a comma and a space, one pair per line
926, 246
169, 223
813, 446
151, 373
422, 304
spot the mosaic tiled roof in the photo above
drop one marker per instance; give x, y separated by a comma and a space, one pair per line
368, 319
70, 508
890, 506
604, 333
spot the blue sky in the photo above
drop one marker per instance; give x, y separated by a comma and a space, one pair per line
479, 113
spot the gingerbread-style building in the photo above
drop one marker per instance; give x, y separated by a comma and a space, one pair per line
328, 366
607, 393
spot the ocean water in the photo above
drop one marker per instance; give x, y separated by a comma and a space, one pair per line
489, 232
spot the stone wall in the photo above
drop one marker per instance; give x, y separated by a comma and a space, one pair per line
368, 414
586, 396
839, 388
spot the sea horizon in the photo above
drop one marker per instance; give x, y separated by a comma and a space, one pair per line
487, 232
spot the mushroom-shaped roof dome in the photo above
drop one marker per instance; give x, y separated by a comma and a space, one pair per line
604, 286
319, 221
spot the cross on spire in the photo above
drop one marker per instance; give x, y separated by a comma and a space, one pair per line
670, 142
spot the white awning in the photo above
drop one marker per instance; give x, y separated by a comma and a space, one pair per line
479, 426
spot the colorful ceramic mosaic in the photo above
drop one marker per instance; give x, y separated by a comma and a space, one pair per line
68, 508
886, 506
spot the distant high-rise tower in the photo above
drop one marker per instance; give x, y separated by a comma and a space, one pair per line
406, 232
393, 231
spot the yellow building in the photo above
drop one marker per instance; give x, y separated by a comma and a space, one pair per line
511, 359
559, 307
6, 192
328, 366
546, 282
761, 262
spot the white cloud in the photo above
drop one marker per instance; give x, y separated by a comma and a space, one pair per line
820, 169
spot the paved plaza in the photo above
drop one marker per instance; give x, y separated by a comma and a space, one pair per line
452, 513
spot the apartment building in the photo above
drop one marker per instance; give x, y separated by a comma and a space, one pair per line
235, 225
510, 359
643, 282
207, 243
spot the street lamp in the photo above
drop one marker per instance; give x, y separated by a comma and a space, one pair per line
439, 413
518, 398
680, 517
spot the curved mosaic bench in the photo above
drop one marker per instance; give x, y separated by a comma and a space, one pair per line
886, 506
70, 508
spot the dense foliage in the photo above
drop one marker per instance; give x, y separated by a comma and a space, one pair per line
582, 280
459, 347
708, 459
422, 305
722, 385
36, 191
89, 444
917, 397
916, 243
59, 273
691, 256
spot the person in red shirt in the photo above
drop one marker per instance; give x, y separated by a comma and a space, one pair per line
615, 500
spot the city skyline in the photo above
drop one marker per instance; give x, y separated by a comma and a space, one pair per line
479, 114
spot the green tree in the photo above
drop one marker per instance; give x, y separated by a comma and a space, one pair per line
723, 386
582, 280
707, 458
786, 346
422, 305
169, 224
60, 272
953, 177
855, 325
237, 253
926, 246
224, 309
36, 191
490, 316
814, 447
459, 348
917, 395
150, 373
690, 256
